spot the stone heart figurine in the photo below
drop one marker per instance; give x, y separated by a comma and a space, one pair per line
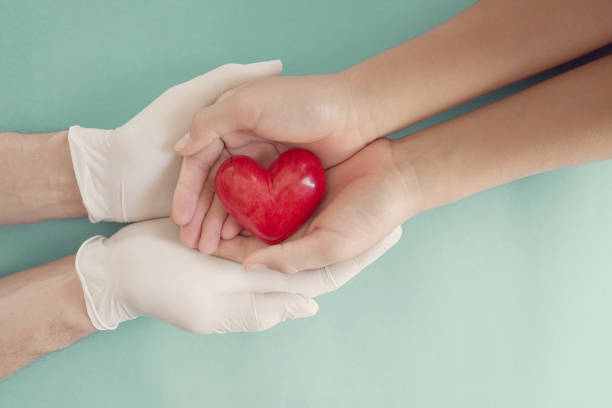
271, 203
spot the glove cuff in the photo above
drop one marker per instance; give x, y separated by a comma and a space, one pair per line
104, 310
89, 149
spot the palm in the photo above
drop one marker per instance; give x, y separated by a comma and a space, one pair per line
366, 199
317, 113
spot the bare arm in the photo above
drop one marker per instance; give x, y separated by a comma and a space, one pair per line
37, 181
562, 122
41, 310
489, 45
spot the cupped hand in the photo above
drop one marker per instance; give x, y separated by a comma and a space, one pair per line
368, 196
262, 119
144, 270
128, 173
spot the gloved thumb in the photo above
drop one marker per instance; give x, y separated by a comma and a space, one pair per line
273, 308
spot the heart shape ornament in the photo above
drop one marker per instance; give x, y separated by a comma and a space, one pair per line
271, 203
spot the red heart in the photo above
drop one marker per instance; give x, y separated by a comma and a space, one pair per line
272, 204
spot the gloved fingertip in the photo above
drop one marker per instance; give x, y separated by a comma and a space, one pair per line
279, 63
305, 307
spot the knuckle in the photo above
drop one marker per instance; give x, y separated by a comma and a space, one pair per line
243, 110
198, 123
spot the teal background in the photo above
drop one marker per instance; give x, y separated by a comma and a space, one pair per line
500, 300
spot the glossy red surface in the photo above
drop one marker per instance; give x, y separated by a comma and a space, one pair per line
271, 203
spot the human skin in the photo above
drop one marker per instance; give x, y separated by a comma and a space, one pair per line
42, 310
562, 122
491, 44
36, 178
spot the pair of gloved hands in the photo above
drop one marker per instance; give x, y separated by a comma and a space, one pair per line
129, 174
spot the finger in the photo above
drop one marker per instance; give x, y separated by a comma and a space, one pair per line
191, 232
252, 311
211, 123
230, 229
175, 108
316, 282
229, 93
214, 212
194, 171
238, 248
206, 88
269, 309
211, 227
314, 250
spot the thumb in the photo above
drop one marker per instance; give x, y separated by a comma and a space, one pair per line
214, 121
273, 308
315, 250
210, 85
227, 114
317, 282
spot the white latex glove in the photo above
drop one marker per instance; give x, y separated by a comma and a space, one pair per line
129, 173
144, 270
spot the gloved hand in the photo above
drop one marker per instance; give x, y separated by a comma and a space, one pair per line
144, 270
129, 173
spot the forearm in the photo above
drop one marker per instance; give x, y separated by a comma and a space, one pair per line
489, 45
37, 181
41, 310
562, 122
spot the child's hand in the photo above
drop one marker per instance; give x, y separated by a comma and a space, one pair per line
262, 119
368, 196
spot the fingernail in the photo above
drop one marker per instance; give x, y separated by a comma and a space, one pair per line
182, 142
255, 267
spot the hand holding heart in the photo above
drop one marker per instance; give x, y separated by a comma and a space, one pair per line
271, 203
366, 199
261, 120
366, 195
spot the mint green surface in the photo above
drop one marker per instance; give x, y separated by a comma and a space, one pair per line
500, 300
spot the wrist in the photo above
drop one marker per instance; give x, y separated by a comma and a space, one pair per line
60, 293
422, 165
41, 310
368, 110
37, 181
69, 195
